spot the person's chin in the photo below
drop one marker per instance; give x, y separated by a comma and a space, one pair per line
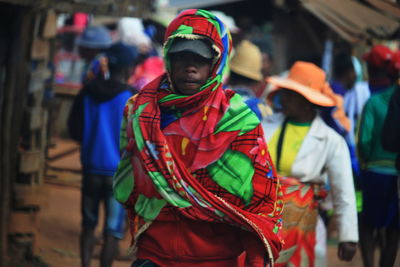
189, 90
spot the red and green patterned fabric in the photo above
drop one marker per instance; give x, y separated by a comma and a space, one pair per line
203, 154
300, 217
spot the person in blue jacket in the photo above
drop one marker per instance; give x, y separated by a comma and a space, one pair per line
94, 121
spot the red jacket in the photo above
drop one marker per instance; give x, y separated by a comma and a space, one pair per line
173, 240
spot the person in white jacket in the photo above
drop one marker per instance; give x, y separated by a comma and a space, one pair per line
310, 157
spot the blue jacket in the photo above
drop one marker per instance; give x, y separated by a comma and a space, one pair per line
95, 121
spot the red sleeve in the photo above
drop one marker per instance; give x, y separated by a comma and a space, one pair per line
255, 251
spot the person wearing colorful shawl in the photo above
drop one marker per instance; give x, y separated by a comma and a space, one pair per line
195, 174
309, 155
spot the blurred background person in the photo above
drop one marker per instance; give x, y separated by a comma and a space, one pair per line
246, 75
355, 94
230, 23
94, 121
378, 60
91, 46
309, 155
93, 41
379, 177
267, 62
344, 78
390, 137
131, 31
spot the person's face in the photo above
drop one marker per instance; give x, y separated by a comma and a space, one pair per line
88, 54
378, 76
266, 65
189, 72
350, 79
294, 104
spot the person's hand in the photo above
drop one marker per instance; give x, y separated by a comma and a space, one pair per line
347, 250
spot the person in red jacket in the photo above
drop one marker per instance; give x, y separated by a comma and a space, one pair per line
195, 174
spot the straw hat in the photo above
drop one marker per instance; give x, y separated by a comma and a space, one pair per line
308, 80
247, 61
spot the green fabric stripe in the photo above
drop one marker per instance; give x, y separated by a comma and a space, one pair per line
238, 117
183, 29
171, 97
136, 127
149, 208
359, 200
123, 181
382, 163
299, 123
123, 137
168, 193
237, 181
217, 79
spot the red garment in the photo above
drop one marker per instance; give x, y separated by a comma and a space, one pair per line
173, 240
150, 69
81, 20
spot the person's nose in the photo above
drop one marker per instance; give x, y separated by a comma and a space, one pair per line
190, 66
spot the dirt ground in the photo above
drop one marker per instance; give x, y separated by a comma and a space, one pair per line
60, 226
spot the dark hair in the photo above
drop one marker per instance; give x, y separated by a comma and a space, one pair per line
342, 64
379, 72
121, 57
119, 69
121, 54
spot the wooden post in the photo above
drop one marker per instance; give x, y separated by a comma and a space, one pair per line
17, 23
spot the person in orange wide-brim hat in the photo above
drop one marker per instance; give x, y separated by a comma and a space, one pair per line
308, 156
308, 80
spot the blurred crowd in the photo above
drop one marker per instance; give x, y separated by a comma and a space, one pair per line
335, 143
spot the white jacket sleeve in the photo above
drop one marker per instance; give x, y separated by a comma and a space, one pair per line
342, 186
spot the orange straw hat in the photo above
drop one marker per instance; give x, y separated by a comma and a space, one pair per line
308, 80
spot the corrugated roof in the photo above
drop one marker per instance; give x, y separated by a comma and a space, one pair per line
387, 7
352, 20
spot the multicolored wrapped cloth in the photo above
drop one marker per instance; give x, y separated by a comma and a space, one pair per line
300, 217
204, 154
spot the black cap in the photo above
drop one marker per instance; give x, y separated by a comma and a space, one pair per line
198, 46
122, 54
